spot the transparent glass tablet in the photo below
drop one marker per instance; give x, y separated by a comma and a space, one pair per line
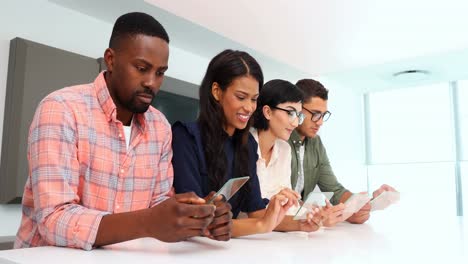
354, 204
230, 188
384, 200
314, 200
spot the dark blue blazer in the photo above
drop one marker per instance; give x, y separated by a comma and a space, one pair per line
191, 175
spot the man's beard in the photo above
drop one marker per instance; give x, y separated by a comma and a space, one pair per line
135, 107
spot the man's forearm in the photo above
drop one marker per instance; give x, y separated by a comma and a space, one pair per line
115, 228
345, 196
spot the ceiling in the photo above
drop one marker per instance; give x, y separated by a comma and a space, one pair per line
357, 44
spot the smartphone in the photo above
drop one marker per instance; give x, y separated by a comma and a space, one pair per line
230, 188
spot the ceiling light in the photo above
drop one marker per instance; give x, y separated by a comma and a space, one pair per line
411, 75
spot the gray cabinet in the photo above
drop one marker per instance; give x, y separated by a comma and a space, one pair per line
34, 70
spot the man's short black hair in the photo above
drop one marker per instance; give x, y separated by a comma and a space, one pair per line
136, 23
312, 88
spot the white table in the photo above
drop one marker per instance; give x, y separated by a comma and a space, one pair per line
385, 238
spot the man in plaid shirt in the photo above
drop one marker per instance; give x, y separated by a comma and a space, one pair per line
99, 155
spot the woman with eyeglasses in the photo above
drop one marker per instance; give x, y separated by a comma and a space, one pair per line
218, 146
279, 112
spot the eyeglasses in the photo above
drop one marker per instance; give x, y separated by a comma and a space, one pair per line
317, 115
293, 114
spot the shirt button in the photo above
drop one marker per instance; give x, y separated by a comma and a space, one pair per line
121, 170
120, 135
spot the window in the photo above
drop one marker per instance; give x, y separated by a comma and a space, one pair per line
411, 125
463, 115
464, 185
412, 147
463, 126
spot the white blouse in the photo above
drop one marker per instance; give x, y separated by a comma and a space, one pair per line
277, 175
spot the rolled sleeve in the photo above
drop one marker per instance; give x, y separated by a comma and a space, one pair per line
72, 226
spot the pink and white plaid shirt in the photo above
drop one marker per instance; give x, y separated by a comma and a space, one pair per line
80, 168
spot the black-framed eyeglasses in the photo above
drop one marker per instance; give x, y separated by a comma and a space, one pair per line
292, 114
316, 115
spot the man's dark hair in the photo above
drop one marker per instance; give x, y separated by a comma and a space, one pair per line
136, 23
312, 88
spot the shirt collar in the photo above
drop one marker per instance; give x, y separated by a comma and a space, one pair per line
104, 98
274, 154
296, 138
107, 104
254, 133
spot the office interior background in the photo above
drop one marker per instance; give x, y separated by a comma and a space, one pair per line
409, 130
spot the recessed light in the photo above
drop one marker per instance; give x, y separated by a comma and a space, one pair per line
411, 75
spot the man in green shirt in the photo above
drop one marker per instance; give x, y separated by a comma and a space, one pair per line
310, 165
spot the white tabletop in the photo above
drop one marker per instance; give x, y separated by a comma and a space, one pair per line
385, 238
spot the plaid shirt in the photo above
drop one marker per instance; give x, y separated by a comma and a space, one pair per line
80, 168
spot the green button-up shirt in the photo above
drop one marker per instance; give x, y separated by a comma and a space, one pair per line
317, 169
